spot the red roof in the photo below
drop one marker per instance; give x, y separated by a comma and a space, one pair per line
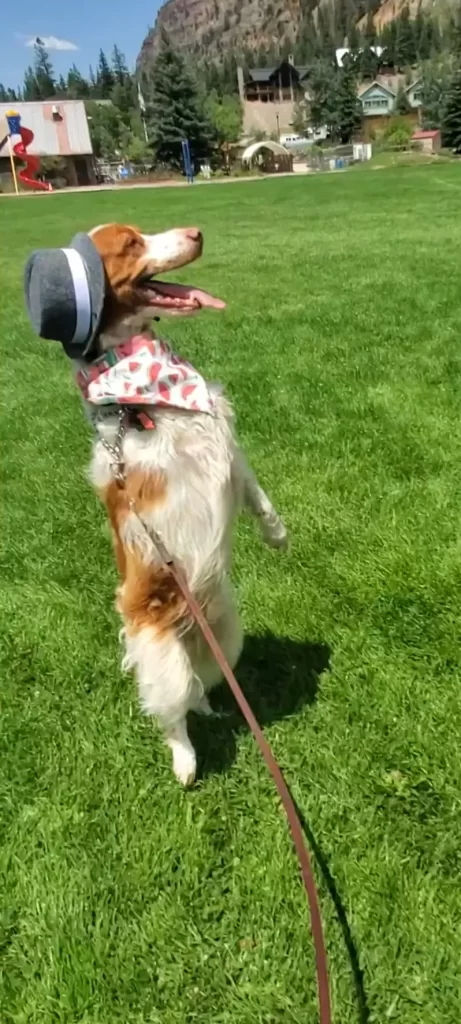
426, 135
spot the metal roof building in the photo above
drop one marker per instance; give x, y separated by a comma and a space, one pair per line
60, 127
60, 130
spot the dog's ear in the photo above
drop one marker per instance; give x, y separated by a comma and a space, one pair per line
121, 248
115, 240
128, 240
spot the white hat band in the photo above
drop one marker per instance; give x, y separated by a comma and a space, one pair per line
82, 295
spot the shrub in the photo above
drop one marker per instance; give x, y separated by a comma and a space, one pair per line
397, 134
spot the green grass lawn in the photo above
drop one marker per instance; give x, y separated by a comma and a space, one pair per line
124, 899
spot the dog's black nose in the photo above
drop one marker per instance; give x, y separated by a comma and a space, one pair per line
194, 234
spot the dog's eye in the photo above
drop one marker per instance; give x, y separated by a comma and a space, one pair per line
133, 243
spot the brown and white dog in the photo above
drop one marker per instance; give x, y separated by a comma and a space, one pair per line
187, 479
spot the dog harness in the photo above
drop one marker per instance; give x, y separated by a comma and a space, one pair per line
144, 372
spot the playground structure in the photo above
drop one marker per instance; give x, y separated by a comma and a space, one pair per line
19, 149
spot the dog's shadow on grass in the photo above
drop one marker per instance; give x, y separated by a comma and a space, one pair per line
278, 676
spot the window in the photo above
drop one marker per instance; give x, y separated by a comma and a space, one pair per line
417, 95
376, 104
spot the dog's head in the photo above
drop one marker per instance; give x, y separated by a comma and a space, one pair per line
132, 263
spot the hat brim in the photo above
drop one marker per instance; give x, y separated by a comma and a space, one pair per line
97, 283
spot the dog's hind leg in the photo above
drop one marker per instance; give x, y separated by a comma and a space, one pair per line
168, 689
225, 623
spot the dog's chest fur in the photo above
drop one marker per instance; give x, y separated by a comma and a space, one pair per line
197, 457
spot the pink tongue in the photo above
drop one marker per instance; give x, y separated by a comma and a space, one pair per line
189, 294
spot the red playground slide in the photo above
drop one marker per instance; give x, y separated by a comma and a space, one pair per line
32, 162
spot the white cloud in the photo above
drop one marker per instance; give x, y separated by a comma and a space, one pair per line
51, 43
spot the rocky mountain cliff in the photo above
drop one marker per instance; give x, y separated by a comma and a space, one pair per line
212, 28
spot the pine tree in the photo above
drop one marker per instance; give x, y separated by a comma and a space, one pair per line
225, 115
43, 71
405, 48
349, 111
436, 78
3, 94
173, 110
61, 87
451, 120
322, 88
104, 77
30, 90
369, 31
353, 36
420, 35
451, 35
388, 41
341, 21
77, 86
425, 38
325, 39
401, 105
119, 66
124, 97
368, 64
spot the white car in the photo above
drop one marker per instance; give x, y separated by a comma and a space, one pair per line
291, 140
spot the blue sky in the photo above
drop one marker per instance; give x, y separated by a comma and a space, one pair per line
86, 25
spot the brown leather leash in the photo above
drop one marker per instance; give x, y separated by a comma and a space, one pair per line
321, 962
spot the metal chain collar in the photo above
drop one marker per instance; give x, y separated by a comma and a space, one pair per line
115, 450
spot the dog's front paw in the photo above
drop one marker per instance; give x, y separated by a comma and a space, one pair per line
274, 532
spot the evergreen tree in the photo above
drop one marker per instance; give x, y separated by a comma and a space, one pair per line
308, 44
341, 21
173, 110
30, 88
229, 74
451, 118
436, 78
405, 48
300, 118
353, 37
77, 86
436, 37
212, 78
401, 105
369, 32
349, 110
451, 33
104, 77
324, 35
124, 97
420, 35
61, 87
388, 41
3, 94
368, 63
322, 89
106, 129
119, 66
427, 42
43, 72
225, 116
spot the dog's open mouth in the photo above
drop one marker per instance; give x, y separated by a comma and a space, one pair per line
176, 298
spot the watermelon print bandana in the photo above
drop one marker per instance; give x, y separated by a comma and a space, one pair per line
144, 371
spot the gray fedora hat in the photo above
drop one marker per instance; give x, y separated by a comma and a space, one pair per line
65, 291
